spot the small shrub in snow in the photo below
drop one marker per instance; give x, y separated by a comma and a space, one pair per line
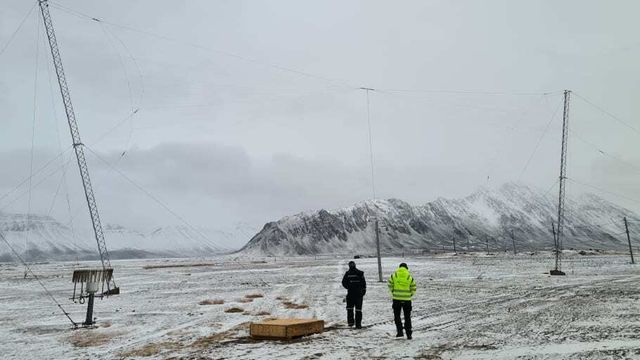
234, 310
291, 305
211, 302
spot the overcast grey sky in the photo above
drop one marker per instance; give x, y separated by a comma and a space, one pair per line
250, 110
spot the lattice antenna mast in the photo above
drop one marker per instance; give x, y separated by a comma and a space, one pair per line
563, 177
78, 146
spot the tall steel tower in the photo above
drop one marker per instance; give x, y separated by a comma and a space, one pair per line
78, 146
561, 193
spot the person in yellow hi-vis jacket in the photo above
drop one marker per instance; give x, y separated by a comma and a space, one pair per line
402, 288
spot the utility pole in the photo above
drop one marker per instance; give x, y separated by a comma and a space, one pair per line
378, 251
513, 239
455, 251
626, 227
373, 183
486, 240
561, 193
78, 146
555, 237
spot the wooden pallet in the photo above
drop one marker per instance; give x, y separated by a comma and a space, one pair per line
285, 329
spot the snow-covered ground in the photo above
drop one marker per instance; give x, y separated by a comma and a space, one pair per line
467, 307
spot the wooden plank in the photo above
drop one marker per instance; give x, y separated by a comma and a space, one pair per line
268, 331
302, 329
285, 328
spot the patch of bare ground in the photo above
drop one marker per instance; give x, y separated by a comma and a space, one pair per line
214, 339
253, 296
234, 310
317, 355
245, 300
432, 353
211, 302
480, 346
292, 305
167, 266
263, 313
151, 349
179, 332
90, 338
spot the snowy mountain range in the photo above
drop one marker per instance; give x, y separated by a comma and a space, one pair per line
486, 218
43, 238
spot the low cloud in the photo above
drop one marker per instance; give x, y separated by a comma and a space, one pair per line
218, 185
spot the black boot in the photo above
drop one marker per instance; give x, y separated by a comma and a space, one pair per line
358, 319
409, 337
350, 317
399, 331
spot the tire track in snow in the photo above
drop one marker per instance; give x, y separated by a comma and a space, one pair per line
485, 323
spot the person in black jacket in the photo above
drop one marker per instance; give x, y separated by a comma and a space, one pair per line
356, 286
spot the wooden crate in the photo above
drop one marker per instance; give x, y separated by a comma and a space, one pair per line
285, 329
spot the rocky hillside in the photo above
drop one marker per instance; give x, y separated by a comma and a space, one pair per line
484, 217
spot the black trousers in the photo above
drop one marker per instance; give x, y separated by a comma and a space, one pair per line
405, 307
354, 302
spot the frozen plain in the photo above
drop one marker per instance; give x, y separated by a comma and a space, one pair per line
468, 306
